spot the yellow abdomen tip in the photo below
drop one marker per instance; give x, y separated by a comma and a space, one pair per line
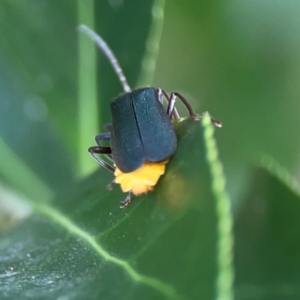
143, 179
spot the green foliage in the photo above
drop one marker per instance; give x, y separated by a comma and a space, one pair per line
267, 240
163, 245
62, 234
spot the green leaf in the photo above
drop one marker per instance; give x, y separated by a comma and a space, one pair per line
38, 89
164, 245
51, 102
87, 86
239, 60
173, 243
267, 243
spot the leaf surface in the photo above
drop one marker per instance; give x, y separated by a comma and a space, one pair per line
267, 241
164, 245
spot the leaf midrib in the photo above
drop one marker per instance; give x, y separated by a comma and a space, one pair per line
64, 222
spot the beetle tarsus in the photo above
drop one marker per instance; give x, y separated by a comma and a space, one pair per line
101, 150
127, 201
111, 185
199, 117
216, 123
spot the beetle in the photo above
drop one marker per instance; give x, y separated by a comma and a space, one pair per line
141, 135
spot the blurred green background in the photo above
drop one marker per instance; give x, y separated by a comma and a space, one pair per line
239, 60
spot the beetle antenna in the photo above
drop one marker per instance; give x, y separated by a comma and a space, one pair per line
108, 53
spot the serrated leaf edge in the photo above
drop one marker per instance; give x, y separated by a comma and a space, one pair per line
225, 276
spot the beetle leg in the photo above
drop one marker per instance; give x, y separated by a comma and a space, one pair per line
160, 94
171, 106
104, 137
101, 150
172, 101
193, 115
215, 122
127, 200
111, 185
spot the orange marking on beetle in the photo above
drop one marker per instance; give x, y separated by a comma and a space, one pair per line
141, 180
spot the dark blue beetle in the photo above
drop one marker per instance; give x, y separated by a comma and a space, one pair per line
141, 131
